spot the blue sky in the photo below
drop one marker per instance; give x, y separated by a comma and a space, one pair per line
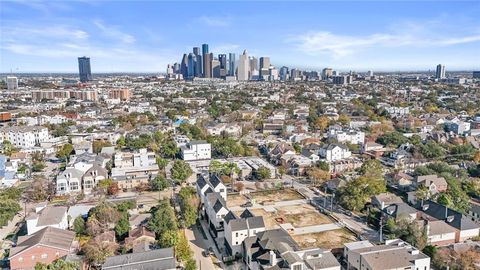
143, 36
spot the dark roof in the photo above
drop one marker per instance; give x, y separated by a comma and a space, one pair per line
452, 217
201, 181
246, 214
48, 236
398, 209
157, 259
230, 216
215, 180
218, 206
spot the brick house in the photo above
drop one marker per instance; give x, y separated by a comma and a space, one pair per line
44, 246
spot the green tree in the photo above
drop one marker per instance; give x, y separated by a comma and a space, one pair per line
121, 142
163, 219
159, 183
162, 163
122, 227
97, 145
323, 165
79, 226
57, 265
215, 167
182, 249
263, 173
168, 239
432, 149
169, 148
191, 265
181, 171
65, 152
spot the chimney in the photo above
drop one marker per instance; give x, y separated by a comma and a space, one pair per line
273, 258
427, 227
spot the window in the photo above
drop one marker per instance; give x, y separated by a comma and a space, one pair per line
236, 234
44, 255
20, 259
33, 257
297, 267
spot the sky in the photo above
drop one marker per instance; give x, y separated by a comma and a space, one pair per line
145, 36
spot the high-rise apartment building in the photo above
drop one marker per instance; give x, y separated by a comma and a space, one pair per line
243, 67
440, 72
231, 64
12, 83
264, 68
84, 69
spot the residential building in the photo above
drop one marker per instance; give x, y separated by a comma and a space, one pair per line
44, 246
12, 83
196, 150
237, 229
24, 136
47, 216
84, 69
351, 136
440, 72
394, 254
334, 152
276, 249
157, 259
121, 94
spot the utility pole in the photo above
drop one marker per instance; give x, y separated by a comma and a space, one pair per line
381, 229
331, 203
325, 199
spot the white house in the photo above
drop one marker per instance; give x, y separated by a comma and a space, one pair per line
47, 216
352, 136
196, 150
237, 229
334, 152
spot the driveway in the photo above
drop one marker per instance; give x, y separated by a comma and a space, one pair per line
198, 244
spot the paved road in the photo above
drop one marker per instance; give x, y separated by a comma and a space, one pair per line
198, 244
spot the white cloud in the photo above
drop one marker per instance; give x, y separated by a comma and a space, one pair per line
410, 34
113, 32
215, 21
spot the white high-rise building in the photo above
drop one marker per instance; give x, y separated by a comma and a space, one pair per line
12, 83
243, 67
440, 73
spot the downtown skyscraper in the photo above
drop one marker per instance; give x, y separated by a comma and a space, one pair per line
84, 69
231, 64
243, 67
207, 61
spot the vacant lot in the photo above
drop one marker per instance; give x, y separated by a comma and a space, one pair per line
263, 197
328, 239
271, 196
236, 200
298, 215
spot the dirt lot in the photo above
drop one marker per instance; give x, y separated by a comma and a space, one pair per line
298, 215
328, 239
236, 200
275, 196
261, 197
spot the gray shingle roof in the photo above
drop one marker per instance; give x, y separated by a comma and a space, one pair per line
48, 236
158, 259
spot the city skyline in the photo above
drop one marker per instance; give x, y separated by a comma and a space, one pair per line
382, 36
